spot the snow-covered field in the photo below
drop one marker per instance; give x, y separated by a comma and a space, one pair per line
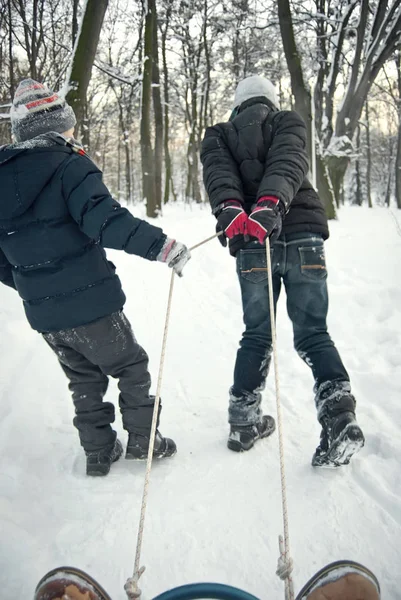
212, 514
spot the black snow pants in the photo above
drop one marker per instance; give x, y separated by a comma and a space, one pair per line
88, 355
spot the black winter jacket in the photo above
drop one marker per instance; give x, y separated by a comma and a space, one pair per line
262, 152
56, 215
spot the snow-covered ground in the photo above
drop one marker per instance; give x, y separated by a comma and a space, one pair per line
212, 514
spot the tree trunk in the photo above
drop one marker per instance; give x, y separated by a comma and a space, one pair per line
105, 145
324, 187
27, 36
303, 101
118, 166
299, 89
158, 116
75, 6
358, 190
168, 177
148, 182
82, 61
337, 168
369, 158
321, 34
193, 191
34, 48
387, 198
398, 164
345, 125
128, 190
10, 51
132, 167
167, 158
398, 156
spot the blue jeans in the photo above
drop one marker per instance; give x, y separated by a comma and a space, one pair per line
298, 262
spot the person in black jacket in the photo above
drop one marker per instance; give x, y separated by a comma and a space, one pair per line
56, 216
254, 170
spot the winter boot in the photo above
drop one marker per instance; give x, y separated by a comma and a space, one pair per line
243, 437
341, 436
341, 580
99, 463
69, 583
138, 446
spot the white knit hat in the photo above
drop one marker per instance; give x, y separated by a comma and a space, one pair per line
253, 87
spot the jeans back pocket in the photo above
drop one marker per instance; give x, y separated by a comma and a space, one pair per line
313, 261
252, 265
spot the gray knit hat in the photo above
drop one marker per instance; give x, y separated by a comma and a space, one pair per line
253, 87
37, 110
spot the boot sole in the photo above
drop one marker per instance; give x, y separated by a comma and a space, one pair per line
238, 446
342, 450
101, 470
138, 455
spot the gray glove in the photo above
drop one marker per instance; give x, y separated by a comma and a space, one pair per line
175, 254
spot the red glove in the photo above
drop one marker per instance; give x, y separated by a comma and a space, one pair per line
266, 219
232, 220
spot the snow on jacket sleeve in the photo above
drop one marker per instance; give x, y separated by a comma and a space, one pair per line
220, 171
101, 217
286, 163
6, 276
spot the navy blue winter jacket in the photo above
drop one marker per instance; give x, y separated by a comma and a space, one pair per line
56, 215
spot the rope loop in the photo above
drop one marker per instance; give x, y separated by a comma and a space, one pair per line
131, 586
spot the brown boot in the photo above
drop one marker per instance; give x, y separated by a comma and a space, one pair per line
342, 580
349, 587
69, 583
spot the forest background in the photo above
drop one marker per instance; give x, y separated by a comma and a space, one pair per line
146, 79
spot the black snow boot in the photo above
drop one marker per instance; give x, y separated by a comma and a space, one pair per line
99, 462
341, 436
138, 446
243, 437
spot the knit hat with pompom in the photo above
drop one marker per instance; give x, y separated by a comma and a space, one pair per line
36, 110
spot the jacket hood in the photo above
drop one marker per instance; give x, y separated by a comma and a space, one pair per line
262, 104
25, 170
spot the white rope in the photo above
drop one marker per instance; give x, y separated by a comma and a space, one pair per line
285, 562
131, 586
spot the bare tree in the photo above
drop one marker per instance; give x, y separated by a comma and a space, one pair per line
146, 134
398, 156
377, 37
168, 175
303, 99
368, 157
82, 62
158, 117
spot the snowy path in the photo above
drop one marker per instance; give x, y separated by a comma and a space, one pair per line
212, 514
